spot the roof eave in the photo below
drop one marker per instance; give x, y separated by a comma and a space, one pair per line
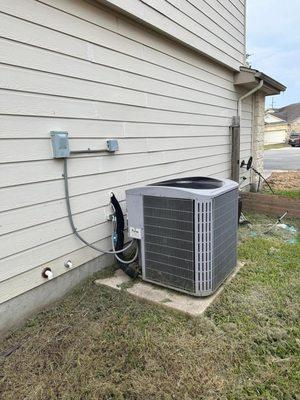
249, 78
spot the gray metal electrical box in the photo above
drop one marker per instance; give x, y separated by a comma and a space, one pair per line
112, 145
60, 144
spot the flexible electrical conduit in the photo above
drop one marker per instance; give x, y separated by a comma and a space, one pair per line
74, 229
120, 259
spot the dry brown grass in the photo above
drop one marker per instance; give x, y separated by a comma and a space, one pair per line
285, 184
285, 180
102, 344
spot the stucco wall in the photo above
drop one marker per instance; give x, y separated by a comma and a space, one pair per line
258, 134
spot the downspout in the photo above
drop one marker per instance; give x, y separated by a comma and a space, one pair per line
235, 134
255, 89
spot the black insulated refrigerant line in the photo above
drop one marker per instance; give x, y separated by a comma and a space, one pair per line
123, 263
119, 249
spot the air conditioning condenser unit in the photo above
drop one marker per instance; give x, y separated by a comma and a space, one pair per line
187, 232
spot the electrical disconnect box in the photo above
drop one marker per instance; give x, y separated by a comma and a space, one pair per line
60, 144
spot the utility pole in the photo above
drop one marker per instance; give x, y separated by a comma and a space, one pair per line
273, 103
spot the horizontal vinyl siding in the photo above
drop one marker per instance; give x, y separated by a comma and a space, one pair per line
214, 27
72, 66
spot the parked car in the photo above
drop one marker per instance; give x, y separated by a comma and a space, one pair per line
294, 139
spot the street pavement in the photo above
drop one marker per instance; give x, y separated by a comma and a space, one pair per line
284, 159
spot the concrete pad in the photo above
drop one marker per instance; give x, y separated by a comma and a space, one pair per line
185, 303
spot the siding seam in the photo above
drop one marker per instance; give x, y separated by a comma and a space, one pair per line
123, 87
115, 103
116, 51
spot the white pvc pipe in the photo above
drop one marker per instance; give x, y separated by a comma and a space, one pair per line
68, 264
49, 274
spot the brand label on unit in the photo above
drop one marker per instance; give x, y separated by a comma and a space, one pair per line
135, 233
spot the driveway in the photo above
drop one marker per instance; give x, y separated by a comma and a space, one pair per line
287, 158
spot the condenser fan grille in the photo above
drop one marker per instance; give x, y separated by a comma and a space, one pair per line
204, 245
216, 240
225, 222
169, 242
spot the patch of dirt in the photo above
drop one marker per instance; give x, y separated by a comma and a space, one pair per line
285, 180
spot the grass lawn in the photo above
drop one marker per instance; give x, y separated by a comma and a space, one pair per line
292, 194
98, 343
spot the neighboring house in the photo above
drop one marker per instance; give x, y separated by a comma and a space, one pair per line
280, 122
275, 129
162, 77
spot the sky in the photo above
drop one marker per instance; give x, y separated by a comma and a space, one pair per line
273, 42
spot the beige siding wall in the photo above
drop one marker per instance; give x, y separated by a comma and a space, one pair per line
68, 65
214, 27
